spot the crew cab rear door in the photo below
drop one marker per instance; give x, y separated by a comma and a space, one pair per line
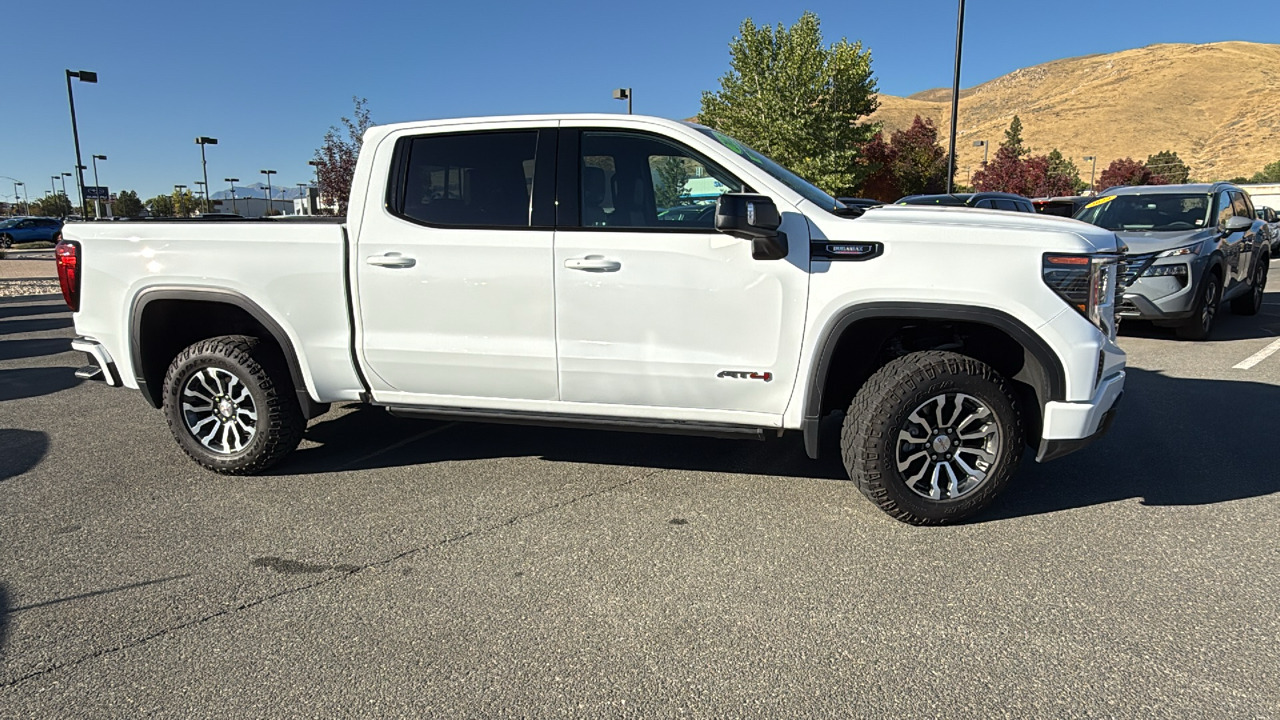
453, 282
655, 308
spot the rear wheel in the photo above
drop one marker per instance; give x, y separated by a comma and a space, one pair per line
6, 241
1251, 302
230, 406
1197, 326
933, 437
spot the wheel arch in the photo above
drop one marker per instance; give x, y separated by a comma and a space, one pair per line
165, 312
1040, 371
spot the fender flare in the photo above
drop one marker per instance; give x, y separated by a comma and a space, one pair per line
310, 408
1050, 384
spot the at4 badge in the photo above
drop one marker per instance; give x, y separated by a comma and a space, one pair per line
745, 375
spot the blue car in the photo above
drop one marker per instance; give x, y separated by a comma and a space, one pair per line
28, 229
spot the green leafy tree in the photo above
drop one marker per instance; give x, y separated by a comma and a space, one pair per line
1269, 174
185, 203
792, 97
56, 205
1062, 176
127, 204
1013, 139
161, 206
671, 175
1169, 166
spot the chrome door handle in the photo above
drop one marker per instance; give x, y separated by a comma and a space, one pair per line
593, 263
391, 260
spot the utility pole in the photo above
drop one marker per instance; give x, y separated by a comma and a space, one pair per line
955, 98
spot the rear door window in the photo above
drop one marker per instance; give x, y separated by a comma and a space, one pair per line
482, 179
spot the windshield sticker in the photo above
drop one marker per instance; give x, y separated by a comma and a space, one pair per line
1100, 201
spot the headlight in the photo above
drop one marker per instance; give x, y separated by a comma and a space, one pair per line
1088, 284
1184, 250
1175, 270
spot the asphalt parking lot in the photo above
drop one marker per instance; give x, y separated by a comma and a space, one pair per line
404, 568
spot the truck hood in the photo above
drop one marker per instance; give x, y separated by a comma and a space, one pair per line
1094, 238
1140, 243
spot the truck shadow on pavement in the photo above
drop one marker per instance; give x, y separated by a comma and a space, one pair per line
20, 349
34, 382
10, 310
21, 450
18, 327
1175, 442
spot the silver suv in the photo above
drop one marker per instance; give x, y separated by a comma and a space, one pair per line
1190, 247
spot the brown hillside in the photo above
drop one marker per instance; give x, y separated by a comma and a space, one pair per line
1217, 106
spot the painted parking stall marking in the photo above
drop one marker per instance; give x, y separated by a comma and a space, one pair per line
1258, 357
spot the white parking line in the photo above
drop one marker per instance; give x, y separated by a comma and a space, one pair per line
1258, 357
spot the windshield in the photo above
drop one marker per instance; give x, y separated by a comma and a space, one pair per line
810, 192
1148, 213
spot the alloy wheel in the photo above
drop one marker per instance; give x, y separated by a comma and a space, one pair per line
219, 411
947, 446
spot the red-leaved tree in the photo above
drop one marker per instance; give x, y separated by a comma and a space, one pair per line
910, 163
1128, 171
1006, 173
335, 160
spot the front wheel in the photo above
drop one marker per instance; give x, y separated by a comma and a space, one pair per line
1197, 326
6, 241
1251, 302
230, 405
933, 437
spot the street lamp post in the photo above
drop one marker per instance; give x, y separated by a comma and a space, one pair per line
202, 141
955, 97
204, 190
97, 201
268, 173
315, 164
83, 76
623, 94
178, 193
27, 205
63, 178
303, 196
982, 144
1093, 159
233, 182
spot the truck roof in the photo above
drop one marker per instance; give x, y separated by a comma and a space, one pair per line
543, 117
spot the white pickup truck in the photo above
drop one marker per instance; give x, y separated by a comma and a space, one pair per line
619, 272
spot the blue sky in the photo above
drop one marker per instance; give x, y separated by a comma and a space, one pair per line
268, 78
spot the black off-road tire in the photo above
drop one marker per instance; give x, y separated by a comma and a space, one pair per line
869, 438
1200, 324
1251, 302
280, 423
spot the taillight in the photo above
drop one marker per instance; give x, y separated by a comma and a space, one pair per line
1088, 284
67, 255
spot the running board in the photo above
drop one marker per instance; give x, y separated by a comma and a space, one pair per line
581, 422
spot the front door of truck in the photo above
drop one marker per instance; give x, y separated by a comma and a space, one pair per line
655, 308
453, 280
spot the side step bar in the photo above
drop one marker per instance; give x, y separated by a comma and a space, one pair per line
582, 422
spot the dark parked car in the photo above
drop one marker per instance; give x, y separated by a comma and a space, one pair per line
28, 229
1190, 248
1066, 206
1272, 219
988, 200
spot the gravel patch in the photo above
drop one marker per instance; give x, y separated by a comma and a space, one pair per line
23, 288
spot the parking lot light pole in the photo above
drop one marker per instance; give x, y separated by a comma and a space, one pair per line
955, 99
202, 141
19, 184
1093, 160
623, 94
233, 182
83, 76
982, 144
204, 188
97, 201
268, 173
176, 190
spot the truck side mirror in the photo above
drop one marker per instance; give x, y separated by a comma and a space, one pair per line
1237, 223
755, 218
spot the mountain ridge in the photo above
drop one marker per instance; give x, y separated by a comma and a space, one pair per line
1217, 105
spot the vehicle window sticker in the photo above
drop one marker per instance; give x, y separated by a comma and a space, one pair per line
1101, 201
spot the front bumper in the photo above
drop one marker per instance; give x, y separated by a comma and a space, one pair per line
1070, 426
1163, 298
